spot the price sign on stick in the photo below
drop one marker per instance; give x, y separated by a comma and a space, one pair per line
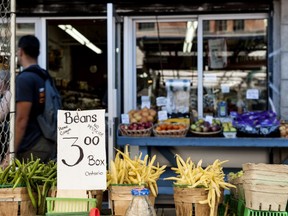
81, 159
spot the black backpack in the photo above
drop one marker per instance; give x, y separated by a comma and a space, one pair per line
48, 119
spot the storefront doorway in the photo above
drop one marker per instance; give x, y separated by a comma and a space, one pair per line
77, 59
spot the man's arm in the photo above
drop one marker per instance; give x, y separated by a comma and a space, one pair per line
23, 109
5, 105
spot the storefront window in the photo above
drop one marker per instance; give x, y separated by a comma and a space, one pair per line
24, 29
235, 66
234, 62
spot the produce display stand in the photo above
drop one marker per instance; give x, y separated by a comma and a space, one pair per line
145, 142
163, 144
15, 202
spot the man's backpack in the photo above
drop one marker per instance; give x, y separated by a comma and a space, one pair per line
48, 119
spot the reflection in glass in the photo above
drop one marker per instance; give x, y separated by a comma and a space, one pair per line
24, 29
234, 62
165, 50
235, 65
21, 30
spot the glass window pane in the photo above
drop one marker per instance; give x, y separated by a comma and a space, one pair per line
235, 66
24, 29
21, 30
167, 51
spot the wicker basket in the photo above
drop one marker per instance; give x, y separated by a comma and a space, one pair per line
206, 134
238, 192
187, 202
283, 130
171, 133
16, 202
135, 133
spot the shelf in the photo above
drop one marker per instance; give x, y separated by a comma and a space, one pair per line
203, 142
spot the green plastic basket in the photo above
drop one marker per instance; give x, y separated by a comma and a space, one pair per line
57, 206
250, 212
240, 207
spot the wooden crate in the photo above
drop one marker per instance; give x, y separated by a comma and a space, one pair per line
187, 202
120, 198
15, 202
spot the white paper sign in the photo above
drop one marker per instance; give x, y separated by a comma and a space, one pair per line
125, 118
81, 159
210, 77
209, 119
162, 115
217, 53
161, 101
225, 88
145, 102
252, 94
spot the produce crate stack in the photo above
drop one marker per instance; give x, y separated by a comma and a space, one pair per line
266, 188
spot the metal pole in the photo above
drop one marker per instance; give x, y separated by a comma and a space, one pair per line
12, 74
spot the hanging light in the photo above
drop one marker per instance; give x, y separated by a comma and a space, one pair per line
69, 29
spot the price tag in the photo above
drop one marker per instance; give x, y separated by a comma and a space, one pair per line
252, 94
81, 159
125, 119
162, 115
145, 102
225, 88
209, 119
161, 101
